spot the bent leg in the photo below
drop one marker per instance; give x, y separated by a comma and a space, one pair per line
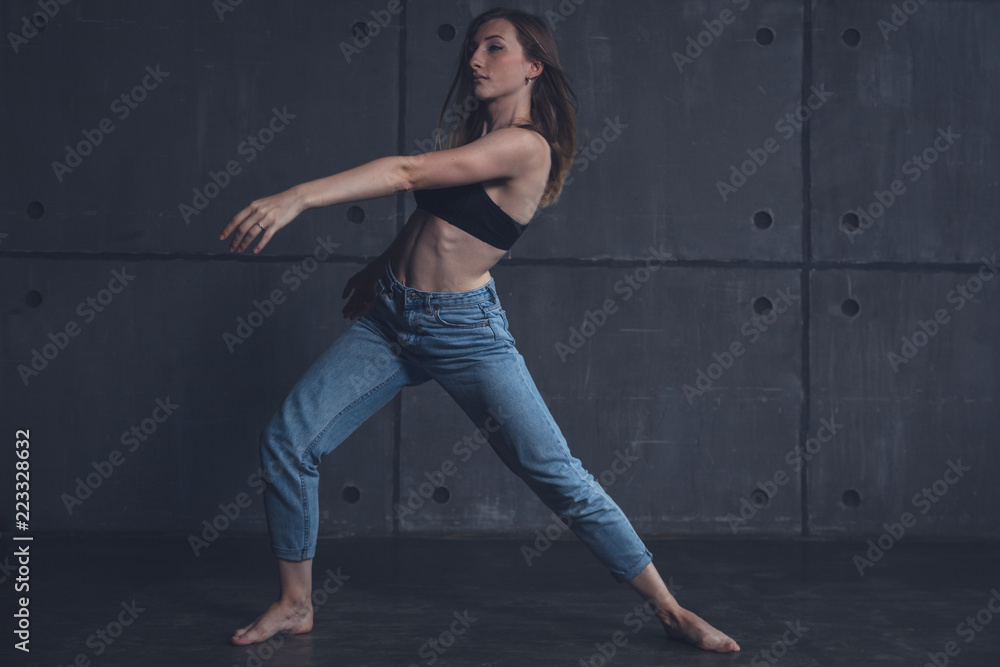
357, 375
291, 614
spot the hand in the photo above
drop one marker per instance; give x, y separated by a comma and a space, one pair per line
362, 289
262, 218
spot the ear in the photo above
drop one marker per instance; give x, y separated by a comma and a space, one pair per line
535, 68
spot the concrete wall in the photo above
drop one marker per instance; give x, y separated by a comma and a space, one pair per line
802, 195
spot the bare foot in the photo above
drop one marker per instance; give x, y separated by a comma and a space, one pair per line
688, 627
293, 618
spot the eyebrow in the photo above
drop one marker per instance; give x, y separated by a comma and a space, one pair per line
474, 42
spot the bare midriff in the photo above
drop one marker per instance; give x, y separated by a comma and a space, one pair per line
434, 256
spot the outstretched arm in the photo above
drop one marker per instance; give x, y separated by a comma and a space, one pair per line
264, 217
497, 155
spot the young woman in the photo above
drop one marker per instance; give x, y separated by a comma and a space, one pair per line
427, 308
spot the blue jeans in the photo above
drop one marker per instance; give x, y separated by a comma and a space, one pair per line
459, 339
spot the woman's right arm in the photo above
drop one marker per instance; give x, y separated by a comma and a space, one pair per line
501, 154
263, 218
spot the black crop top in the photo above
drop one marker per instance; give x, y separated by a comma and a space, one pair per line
469, 208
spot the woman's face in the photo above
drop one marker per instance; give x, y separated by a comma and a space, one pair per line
497, 61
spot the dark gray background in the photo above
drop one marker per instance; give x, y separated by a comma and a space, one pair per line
653, 186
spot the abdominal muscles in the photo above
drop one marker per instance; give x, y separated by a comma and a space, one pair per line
436, 256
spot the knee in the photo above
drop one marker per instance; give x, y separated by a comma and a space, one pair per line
274, 443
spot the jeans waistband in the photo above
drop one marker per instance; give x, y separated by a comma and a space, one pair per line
487, 294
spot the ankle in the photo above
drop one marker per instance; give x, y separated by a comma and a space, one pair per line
297, 602
671, 615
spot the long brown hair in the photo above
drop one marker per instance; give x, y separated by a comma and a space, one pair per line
553, 102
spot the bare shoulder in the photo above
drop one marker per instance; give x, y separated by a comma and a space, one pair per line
520, 193
502, 154
526, 139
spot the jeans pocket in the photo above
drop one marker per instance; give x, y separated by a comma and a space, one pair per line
498, 323
461, 317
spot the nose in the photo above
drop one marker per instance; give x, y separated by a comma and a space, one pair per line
474, 60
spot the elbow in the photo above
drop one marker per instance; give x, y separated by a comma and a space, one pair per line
403, 176
411, 173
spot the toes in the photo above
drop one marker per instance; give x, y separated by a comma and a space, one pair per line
244, 635
727, 645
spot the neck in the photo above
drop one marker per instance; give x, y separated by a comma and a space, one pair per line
505, 112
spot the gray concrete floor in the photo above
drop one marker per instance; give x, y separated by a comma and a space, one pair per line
565, 609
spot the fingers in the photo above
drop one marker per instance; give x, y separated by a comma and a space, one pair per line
356, 307
235, 222
253, 227
264, 239
250, 223
245, 235
261, 220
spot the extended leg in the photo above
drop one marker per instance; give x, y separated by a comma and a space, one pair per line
497, 387
678, 622
530, 443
